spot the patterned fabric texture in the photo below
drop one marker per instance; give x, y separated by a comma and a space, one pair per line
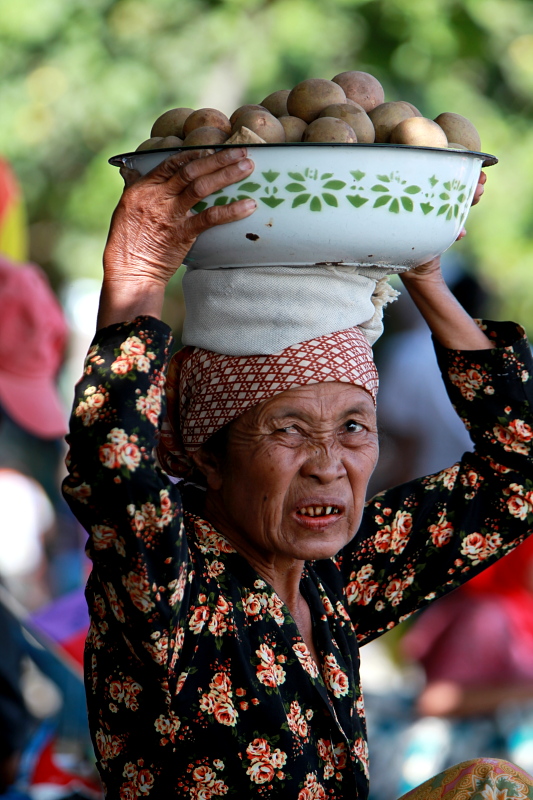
199, 684
261, 310
479, 779
206, 390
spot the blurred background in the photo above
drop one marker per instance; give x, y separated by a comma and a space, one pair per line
82, 81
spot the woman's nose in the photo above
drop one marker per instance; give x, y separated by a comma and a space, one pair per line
324, 463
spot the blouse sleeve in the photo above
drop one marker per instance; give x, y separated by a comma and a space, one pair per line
130, 509
420, 540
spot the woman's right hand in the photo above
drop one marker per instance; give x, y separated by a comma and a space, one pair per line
154, 227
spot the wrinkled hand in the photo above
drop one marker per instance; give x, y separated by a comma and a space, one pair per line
153, 227
480, 188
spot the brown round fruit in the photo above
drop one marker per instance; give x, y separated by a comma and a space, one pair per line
294, 128
311, 96
419, 132
358, 107
263, 123
205, 135
206, 118
171, 122
459, 129
276, 102
329, 129
243, 110
355, 116
456, 146
362, 87
169, 141
386, 116
414, 109
150, 144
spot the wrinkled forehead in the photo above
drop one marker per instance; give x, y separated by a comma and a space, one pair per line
316, 403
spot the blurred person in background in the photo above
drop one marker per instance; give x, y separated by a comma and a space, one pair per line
475, 649
31, 436
33, 340
476, 646
33, 336
29, 316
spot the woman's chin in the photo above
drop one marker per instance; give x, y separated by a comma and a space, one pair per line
317, 542
319, 545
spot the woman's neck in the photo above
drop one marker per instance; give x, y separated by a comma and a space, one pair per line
283, 573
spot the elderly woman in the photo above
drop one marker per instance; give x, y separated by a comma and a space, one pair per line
228, 608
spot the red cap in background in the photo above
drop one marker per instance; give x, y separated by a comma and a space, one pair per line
33, 337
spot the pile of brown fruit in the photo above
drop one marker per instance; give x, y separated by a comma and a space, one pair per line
350, 108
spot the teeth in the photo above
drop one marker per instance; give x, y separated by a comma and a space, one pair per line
318, 511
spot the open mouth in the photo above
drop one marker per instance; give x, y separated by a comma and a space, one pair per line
318, 511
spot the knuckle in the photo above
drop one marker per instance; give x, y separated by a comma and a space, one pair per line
201, 187
214, 215
178, 159
188, 171
193, 168
188, 163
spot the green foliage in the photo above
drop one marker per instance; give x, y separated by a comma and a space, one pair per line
82, 81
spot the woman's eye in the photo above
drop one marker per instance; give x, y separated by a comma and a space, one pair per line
288, 429
352, 426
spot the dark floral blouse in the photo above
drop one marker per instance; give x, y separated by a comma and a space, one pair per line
199, 684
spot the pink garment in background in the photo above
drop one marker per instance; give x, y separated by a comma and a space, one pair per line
483, 632
33, 339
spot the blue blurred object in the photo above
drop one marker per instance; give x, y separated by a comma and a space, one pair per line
407, 750
33, 637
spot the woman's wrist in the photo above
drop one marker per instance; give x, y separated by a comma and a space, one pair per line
123, 299
448, 321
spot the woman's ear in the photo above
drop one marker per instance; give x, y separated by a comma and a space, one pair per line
210, 467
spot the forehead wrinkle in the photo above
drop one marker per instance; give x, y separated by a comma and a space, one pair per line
322, 412
300, 413
309, 402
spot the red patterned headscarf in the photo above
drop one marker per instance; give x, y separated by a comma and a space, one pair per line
206, 390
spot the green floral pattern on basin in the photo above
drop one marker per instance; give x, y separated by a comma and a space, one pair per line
310, 187
316, 190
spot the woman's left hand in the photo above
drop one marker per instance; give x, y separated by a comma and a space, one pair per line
480, 188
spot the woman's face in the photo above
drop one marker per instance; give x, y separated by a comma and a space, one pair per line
294, 479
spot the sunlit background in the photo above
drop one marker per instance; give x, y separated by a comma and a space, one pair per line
82, 81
